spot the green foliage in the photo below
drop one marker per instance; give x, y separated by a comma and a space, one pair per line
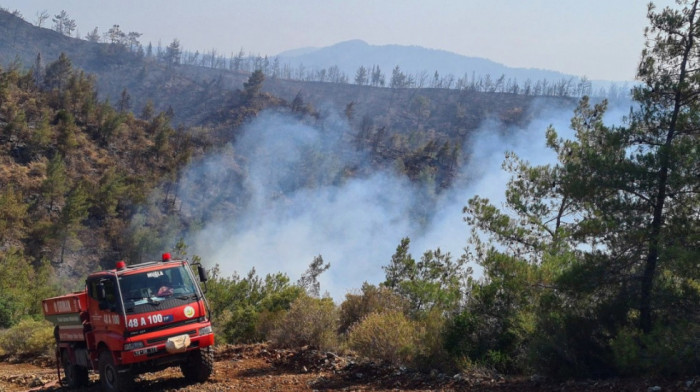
42, 134
28, 338
148, 110
160, 126
22, 286
252, 87
372, 299
13, 212
109, 121
498, 318
73, 188
56, 183
570, 339
593, 251
67, 133
434, 282
7, 310
70, 221
431, 349
388, 336
667, 350
245, 309
110, 190
309, 322
58, 72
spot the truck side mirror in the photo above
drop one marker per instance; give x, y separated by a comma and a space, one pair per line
202, 273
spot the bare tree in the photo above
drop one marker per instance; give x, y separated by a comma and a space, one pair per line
309, 280
41, 18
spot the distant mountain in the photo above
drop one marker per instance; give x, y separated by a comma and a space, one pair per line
350, 55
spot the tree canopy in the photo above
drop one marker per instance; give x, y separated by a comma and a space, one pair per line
605, 240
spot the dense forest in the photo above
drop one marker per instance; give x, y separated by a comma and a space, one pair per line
589, 268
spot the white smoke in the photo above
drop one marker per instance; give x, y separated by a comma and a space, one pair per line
262, 216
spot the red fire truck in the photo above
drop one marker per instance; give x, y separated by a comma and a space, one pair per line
134, 319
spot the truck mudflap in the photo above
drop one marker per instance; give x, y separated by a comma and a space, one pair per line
71, 333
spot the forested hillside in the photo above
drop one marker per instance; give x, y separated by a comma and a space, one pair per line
74, 169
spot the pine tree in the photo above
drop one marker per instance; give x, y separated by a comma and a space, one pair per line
252, 87
606, 240
13, 212
56, 184
641, 182
73, 213
58, 72
666, 136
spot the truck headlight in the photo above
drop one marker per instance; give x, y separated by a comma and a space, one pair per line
205, 331
132, 346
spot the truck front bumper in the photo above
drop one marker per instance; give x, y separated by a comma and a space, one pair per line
153, 347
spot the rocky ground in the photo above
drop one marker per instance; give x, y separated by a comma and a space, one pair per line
261, 368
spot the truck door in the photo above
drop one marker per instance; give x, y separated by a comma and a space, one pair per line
105, 312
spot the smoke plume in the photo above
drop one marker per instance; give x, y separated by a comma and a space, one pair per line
291, 199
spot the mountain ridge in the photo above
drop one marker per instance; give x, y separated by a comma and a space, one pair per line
413, 59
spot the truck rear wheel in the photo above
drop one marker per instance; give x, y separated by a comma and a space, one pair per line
199, 365
75, 376
110, 377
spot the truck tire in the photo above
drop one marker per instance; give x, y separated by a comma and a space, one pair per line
74, 375
199, 365
110, 377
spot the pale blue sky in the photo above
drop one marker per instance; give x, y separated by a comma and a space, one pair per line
600, 39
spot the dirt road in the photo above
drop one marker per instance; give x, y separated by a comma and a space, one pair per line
259, 368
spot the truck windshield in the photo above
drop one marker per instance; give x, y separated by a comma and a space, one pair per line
154, 287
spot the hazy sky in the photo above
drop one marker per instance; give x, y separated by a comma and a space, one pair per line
600, 39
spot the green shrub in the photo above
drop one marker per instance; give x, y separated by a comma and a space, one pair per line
238, 324
309, 322
28, 337
373, 299
23, 285
388, 336
239, 303
7, 308
565, 345
268, 321
666, 351
431, 352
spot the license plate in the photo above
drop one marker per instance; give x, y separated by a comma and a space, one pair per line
144, 351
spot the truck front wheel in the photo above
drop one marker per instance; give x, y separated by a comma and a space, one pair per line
112, 380
199, 365
75, 376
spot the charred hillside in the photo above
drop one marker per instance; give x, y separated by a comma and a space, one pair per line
195, 94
